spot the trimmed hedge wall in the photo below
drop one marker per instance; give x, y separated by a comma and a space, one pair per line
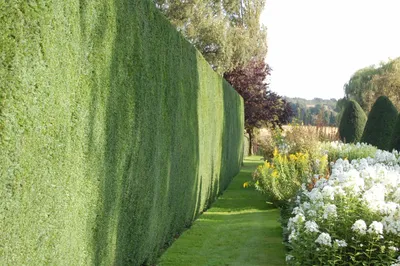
246, 144
114, 133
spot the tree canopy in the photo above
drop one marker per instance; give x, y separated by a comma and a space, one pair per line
262, 107
229, 35
226, 32
367, 84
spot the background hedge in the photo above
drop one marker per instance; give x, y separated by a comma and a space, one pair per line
380, 124
395, 142
114, 132
352, 123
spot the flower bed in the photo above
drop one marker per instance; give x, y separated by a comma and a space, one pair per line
348, 214
336, 150
282, 177
352, 218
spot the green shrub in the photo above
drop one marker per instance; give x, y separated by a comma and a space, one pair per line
349, 151
352, 123
266, 142
395, 143
302, 139
380, 124
292, 139
114, 133
281, 178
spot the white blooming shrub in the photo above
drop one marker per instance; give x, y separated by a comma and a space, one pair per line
350, 218
338, 150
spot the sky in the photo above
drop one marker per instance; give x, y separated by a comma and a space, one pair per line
314, 46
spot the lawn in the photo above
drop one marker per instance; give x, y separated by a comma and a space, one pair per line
240, 228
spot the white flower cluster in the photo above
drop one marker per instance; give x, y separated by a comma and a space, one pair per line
374, 155
341, 150
324, 239
388, 158
360, 227
376, 183
370, 184
311, 227
341, 243
342, 147
394, 264
284, 148
376, 228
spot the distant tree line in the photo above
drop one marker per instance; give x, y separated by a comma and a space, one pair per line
365, 87
316, 112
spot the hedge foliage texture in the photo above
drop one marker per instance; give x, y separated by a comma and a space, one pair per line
395, 143
352, 123
380, 124
114, 132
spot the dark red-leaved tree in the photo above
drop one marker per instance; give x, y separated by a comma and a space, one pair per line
261, 106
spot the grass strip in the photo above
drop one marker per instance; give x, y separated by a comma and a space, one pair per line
239, 229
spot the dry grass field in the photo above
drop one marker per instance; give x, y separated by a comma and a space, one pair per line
323, 133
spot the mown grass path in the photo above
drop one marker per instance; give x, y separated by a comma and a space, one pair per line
239, 229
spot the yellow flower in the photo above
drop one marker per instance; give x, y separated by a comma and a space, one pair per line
246, 184
276, 152
275, 174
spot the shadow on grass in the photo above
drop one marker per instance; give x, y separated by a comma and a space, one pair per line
238, 198
237, 220
232, 134
239, 229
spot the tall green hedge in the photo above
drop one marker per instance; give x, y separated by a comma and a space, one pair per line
114, 132
381, 121
395, 143
246, 144
352, 122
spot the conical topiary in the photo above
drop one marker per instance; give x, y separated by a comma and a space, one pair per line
352, 123
380, 124
395, 144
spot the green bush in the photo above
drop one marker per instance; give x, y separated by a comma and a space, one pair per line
380, 124
114, 133
292, 139
350, 151
266, 142
352, 123
395, 143
281, 178
302, 139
